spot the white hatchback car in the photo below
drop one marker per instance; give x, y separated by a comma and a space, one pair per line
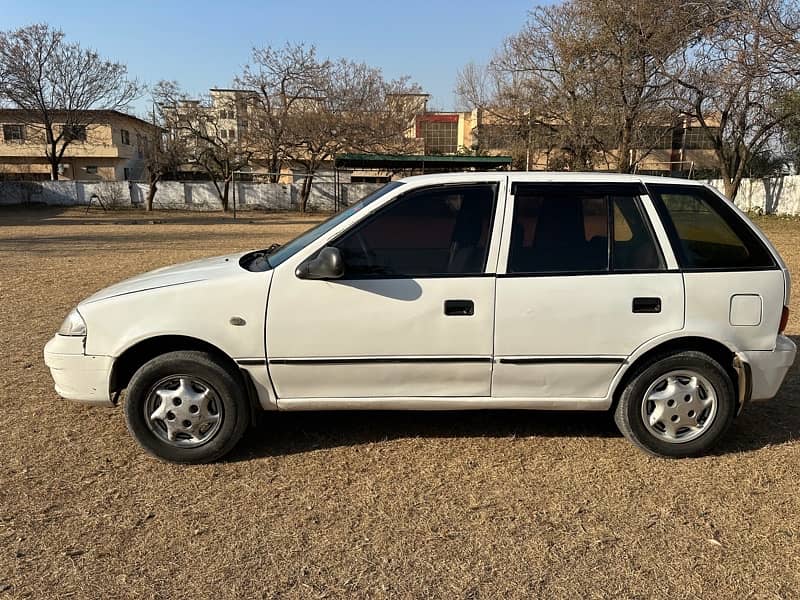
654, 298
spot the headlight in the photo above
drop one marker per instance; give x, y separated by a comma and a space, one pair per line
73, 325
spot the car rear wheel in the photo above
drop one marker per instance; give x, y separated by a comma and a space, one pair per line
186, 407
677, 405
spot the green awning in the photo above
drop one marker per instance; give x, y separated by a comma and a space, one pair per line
420, 161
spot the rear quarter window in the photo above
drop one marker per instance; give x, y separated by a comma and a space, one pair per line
706, 233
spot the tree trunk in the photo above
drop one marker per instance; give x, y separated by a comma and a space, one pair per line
54, 157
224, 196
731, 178
222, 193
732, 186
728, 187
151, 194
625, 164
274, 169
305, 192
743, 158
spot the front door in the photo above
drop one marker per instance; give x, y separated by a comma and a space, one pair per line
584, 284
413, 314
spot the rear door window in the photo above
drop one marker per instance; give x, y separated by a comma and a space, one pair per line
705, 232
566, 228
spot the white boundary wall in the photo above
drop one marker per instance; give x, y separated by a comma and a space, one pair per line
770, 196
185, 195
779, 195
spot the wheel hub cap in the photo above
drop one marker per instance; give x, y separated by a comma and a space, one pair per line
679, 406
183, 411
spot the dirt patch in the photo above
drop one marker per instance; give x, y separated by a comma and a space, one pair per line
409, 505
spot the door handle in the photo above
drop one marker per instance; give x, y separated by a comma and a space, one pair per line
459, 308
647, 305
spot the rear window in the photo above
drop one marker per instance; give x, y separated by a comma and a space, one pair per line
705, 232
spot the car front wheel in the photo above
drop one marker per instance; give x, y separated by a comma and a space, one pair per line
186, 407
678, 405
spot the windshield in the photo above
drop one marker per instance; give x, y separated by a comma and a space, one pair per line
289, 248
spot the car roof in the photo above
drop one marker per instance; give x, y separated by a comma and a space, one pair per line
547, 176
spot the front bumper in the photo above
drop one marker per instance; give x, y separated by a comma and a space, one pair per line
76, 375
768, 368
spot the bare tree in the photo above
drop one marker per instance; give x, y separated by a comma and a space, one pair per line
582, 81
791, 131
505, 112
305, 109
201, 128
282, 79
164, 151
57, 84
733, 80
357, 110
539, 88
552, 76
628, 41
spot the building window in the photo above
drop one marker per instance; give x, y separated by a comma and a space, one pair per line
91, 170
75, 133
126, 173
223, 133
440, 137
125, 135
369, 179
14, 133
657, 138
499, 137
140, 141
694, 138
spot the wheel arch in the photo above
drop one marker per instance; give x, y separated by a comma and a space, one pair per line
133, 357
723, 354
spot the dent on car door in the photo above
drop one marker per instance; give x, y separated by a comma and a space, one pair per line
411, 317
584, 285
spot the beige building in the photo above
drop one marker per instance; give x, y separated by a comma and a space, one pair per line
111, 147
679, 148
226, 120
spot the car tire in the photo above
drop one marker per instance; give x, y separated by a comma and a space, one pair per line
186, 407
677, 405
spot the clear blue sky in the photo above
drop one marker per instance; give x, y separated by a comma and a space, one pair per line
203, 44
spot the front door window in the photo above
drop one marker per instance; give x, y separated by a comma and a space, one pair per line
431, 232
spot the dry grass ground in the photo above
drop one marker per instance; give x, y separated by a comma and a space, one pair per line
489, 505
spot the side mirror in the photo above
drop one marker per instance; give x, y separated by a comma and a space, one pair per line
328, 264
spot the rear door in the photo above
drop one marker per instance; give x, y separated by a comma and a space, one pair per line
582, 282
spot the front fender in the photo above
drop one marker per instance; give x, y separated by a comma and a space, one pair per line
227, 312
